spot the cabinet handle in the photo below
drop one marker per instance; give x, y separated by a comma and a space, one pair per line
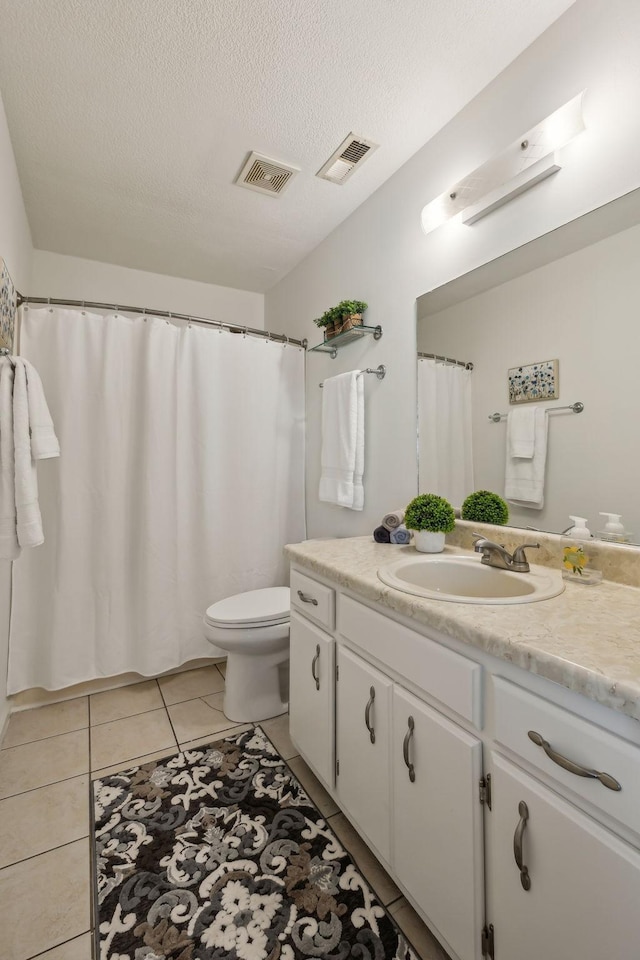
405, 749
525, 879
313, 667
367, 715
307, 599
605, 779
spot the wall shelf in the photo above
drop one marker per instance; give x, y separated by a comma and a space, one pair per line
342, 339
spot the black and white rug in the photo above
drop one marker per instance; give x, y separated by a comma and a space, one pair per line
217, 853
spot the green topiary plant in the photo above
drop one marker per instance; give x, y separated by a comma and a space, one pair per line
345, 308
430, 512
483, 506
348, 307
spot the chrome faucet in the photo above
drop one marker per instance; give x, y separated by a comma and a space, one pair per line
495, 555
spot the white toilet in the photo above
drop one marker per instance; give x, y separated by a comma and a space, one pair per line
253, 629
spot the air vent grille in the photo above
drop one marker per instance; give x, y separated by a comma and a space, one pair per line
265, 175
351, 153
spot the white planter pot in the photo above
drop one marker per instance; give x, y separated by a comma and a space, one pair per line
427, 542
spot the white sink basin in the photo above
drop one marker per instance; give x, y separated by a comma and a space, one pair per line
465, 579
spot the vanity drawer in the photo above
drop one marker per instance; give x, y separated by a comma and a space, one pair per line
583, 743
313, 599
439, 672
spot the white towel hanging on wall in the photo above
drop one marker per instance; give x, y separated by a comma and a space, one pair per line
341, 480
524, 476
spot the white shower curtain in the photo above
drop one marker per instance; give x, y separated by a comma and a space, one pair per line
180, 479
445, 453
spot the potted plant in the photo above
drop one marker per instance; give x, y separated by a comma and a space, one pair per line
327, 324
483, 506
430, 517
350, 313
344, 316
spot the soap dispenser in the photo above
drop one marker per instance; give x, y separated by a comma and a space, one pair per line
613, 528
575, 562
579, 530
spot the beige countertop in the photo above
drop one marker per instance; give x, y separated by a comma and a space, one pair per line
587, 639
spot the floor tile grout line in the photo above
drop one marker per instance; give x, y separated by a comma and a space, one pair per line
51, 783
129, 762
129, 716
173, 729
26, 743
59, 846
43, 953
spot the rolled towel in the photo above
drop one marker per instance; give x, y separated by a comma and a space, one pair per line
400, 535
381, 535
393, 519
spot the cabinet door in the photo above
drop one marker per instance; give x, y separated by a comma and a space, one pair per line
311, 695
437, 821
584, 895
363, 715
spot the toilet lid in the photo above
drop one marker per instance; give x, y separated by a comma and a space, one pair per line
269, 605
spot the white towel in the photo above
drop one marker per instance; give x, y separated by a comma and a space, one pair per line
28, 519
341, 480
524, 477
44, 443
9, 546
521, 432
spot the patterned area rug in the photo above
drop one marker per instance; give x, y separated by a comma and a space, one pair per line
218, 854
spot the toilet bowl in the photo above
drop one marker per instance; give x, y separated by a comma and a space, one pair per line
253, 629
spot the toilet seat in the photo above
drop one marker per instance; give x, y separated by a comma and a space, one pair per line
267, 607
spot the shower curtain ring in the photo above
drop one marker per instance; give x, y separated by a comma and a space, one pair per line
245, 331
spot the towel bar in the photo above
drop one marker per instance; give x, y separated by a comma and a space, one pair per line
380, 372
576, 407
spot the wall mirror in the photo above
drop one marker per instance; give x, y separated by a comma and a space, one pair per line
573, 296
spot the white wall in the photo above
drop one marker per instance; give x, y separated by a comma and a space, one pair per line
57, 275
582, 310
16, 251
381, 255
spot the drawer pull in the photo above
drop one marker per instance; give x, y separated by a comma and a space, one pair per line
405, 749
525, 879
367, 715
307, 599
605, 779
313, 667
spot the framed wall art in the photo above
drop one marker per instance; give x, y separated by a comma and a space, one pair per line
7, 307
534, 381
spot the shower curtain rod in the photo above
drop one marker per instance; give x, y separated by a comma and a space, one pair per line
145, 311
436, 356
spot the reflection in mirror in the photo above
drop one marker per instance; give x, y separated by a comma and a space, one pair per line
572, 295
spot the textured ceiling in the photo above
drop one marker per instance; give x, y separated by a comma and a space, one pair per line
130, 119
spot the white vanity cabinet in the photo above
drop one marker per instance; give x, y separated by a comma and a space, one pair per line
437, 820
312, 695
577, 891
363, 733
539, 860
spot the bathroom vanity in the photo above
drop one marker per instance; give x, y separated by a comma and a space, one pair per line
488, 755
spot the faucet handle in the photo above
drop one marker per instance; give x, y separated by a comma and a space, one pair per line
519, 555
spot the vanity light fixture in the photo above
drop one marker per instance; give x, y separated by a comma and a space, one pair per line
524, 163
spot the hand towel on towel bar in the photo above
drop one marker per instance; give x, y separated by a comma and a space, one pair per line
521, 432
524, 476
343, 441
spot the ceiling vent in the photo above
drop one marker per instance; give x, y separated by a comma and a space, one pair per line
350, 154
265, 175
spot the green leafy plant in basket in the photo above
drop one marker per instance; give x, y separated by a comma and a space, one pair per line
483, 506
344, 316
430, 512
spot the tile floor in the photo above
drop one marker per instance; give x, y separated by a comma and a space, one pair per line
49, 755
